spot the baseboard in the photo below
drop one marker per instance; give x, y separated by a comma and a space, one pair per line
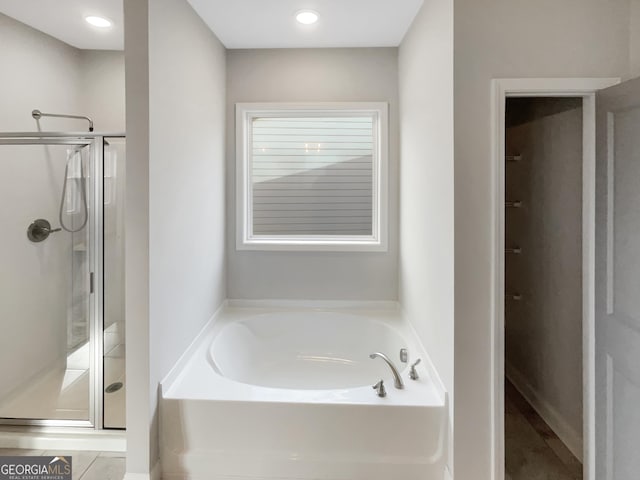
549, 414
155, 474
58, 438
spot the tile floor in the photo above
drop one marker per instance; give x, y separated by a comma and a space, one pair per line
86, 465
532, 450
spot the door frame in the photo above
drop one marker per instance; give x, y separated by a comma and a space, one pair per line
586, 89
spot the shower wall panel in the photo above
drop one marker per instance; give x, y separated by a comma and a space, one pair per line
34, 293
44, 74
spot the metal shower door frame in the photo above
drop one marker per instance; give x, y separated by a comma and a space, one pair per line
96, 257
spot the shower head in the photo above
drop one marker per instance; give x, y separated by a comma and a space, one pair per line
37, 114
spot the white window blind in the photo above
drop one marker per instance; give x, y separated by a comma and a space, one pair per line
312, 175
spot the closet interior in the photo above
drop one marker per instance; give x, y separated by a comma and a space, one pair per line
543, 287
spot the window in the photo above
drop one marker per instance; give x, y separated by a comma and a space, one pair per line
312, 177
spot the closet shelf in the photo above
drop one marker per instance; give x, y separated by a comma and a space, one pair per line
514, 250
513, 204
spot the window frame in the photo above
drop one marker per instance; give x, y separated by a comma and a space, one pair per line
246, 240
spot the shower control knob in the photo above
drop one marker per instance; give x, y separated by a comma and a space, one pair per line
39, 230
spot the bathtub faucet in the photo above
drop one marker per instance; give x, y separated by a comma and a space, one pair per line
397, 380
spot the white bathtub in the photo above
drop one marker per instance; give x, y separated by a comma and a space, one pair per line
286, 394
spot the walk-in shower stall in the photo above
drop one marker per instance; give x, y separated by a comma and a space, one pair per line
61, 281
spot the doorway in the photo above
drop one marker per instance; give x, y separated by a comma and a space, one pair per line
584, 90
543, 288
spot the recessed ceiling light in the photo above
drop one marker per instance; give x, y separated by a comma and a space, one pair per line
307, 17
99, 22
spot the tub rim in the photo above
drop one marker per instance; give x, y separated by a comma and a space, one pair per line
429, 391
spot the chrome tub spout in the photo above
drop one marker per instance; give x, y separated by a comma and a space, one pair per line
397, 380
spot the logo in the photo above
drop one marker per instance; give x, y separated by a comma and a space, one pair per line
35, 468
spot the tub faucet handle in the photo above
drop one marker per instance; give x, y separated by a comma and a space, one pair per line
413, 373
379, 388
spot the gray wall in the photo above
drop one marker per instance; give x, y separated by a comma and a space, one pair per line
543, 331
503, 39
38, 72
426, 182
102, 89
318, 75
45, 73
175, 113
634, 39
141, 393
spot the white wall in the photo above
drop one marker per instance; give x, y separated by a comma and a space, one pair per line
500, 38
426, 182
543, 332
183, 106
316, 75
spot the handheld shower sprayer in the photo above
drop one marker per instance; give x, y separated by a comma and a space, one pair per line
37, 115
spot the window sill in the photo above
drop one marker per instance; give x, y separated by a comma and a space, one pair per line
295, 245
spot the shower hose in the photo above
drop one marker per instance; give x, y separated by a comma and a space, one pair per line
83, 191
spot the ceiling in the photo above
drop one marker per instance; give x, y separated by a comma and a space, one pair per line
343, 23
64, 20
237, 23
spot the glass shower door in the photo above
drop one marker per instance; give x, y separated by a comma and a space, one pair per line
114, 326
46, 305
